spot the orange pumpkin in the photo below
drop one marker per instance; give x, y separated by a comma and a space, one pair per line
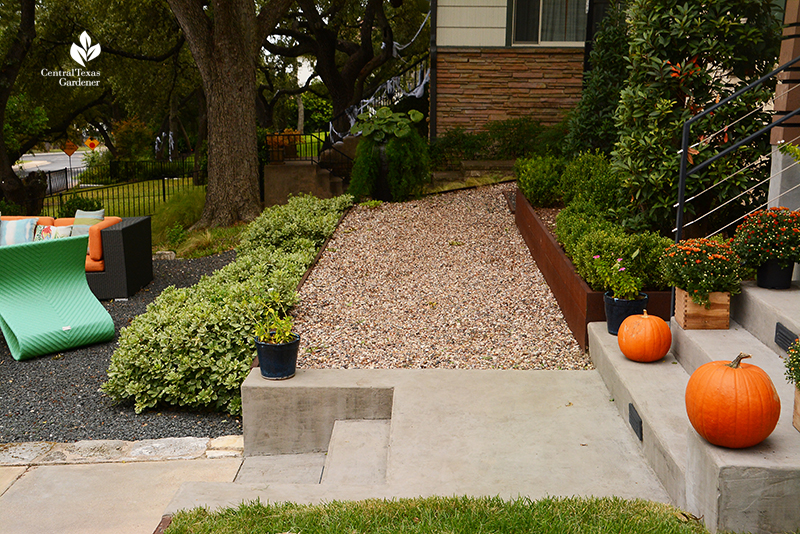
644, 338
732, 404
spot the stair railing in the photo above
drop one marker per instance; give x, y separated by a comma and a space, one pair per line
684, 152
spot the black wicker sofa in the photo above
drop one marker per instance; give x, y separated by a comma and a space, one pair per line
128, 257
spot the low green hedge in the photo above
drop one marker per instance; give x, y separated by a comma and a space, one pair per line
538, 179
588, 237
193, 346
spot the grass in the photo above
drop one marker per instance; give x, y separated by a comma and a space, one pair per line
201, 243
444, 515
486, 179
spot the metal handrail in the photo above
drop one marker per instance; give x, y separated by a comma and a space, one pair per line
686, 133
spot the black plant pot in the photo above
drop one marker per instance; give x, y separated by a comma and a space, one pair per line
278, 361
771, 275
619, 309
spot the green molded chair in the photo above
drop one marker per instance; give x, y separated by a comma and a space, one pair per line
45, 302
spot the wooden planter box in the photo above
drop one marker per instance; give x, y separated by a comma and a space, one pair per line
796, 414
579, 303
691, 316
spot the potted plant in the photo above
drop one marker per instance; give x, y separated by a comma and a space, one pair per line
769, 241
276, 345
623, 296
392, 162
705, 273
792, 362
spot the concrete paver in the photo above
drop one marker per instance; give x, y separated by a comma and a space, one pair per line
113, 498
8, 475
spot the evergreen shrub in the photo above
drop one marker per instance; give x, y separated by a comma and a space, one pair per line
75, 203
193, 346
590, 177
538, 179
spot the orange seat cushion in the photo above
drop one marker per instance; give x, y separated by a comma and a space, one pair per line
94, 266
95, 240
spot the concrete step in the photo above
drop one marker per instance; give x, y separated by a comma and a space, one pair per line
759, 311
748, 490
655, 391
282, 468
357, 453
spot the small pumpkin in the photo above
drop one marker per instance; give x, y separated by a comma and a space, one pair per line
644, 338
732, 404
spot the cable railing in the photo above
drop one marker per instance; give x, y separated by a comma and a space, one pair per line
685, 154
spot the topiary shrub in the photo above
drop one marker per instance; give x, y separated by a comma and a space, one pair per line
407, 168
579, 218
75, 203
194, 346
538, 179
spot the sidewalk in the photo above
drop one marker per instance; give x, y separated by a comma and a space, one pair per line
115, 487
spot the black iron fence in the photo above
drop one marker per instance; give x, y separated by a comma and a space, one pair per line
123, 188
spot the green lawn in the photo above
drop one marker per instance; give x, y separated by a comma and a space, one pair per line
444, 515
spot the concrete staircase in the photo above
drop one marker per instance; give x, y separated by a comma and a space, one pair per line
750, 490
353, 434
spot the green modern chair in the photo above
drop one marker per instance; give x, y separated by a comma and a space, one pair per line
45, 302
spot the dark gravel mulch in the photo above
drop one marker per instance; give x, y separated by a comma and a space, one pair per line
57, 397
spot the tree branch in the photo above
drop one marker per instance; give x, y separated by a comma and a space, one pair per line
62, 126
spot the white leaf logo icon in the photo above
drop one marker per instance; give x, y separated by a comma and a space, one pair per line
86, 52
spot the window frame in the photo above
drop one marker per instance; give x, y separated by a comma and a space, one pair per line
511, 21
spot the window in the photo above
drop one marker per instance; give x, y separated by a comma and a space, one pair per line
548, 21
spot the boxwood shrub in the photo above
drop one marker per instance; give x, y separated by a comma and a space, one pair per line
193, 346
538, 179
584, 233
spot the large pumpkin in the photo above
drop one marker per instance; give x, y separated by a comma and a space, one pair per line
644, 338
732, 404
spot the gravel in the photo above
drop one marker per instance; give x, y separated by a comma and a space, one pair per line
58, 398
442, 282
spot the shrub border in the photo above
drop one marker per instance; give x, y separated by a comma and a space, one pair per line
579, 303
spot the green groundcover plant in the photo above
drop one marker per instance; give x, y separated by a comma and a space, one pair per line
551, 515
702, 266
772, 234
194, 346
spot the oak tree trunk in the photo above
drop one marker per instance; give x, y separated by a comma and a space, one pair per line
225, 39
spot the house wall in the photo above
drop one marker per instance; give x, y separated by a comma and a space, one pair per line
479, 85
471, 23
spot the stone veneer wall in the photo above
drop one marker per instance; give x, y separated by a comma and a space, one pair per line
478, 85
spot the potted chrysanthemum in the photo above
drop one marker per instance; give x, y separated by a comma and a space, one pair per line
769, 241
705, 273
792, 362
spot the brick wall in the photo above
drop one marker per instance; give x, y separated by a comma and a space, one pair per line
475, 86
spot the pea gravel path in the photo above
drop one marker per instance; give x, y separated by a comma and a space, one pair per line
442, 282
